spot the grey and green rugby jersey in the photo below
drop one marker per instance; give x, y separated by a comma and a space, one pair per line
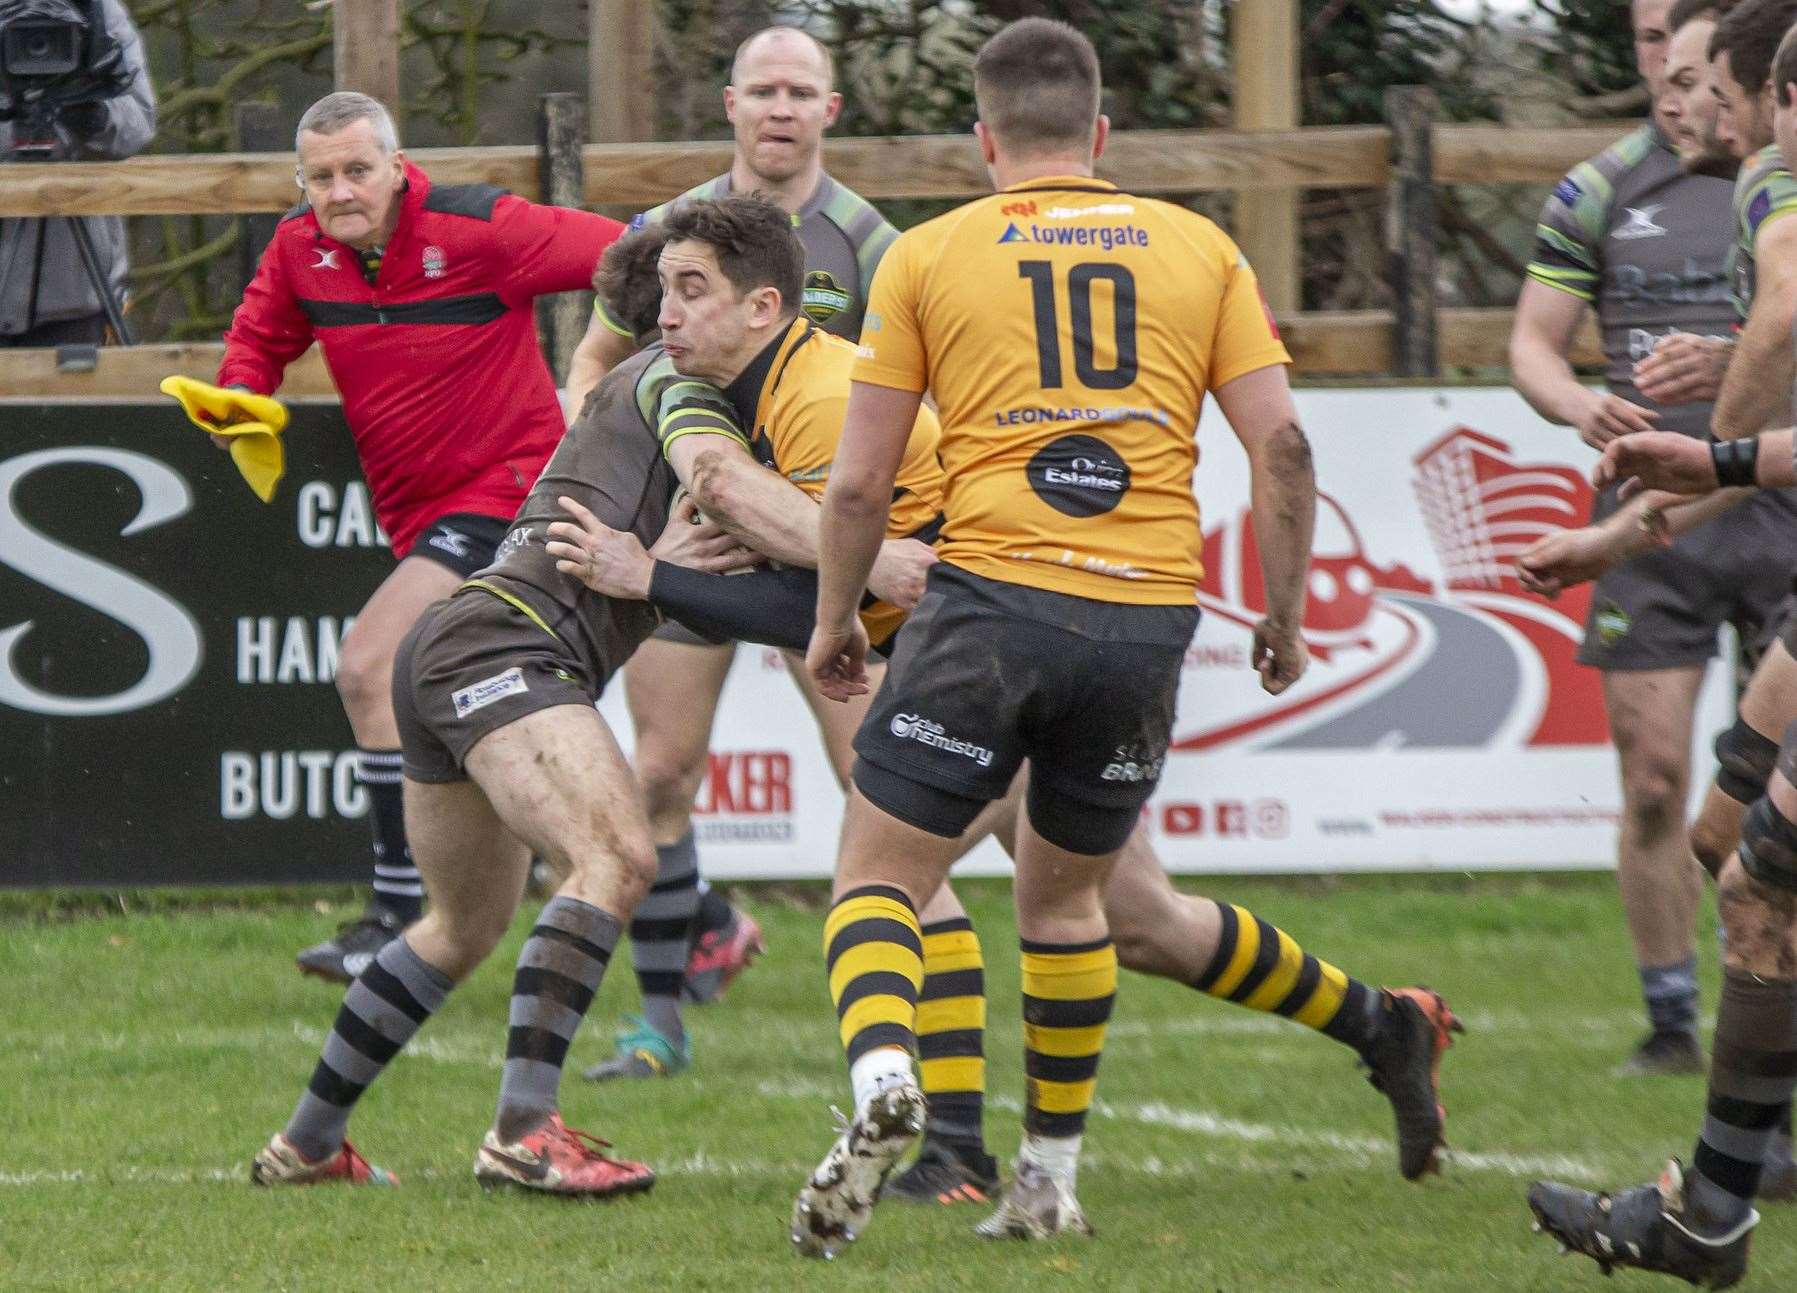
1764, 192
1647, 246
612, 461
844, 238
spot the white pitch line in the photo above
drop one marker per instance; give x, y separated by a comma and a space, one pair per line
1369, 1150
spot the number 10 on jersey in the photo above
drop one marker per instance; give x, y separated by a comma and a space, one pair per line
1080, 278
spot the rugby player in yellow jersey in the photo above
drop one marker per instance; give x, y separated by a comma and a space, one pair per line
1069, 333
786, 386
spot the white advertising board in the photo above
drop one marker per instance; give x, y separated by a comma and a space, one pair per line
1443, 724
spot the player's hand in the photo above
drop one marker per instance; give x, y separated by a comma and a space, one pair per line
899, 572
694, 540
1608, 416
1664, 460
1562, 560
1280, 656
1684, 368
837, 660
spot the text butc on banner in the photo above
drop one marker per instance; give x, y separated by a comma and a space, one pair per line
168, 651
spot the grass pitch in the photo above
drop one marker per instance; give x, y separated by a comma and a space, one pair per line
150, 1051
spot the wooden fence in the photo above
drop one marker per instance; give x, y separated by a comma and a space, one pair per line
1416, 340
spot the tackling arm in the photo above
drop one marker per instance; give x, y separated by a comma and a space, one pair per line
1756, 393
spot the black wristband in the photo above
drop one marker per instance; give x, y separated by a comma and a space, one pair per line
1735, 462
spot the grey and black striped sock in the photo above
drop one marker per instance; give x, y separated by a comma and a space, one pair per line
397, 885
1753, 1067
559, 970
380, 1012
659, 933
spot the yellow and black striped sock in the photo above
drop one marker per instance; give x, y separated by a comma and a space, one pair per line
1260, 966
874, 952
951, 1032
1068, 990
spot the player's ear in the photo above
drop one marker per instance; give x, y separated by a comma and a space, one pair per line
832, 108
730, 104
1101, 133
988, 154
399, 168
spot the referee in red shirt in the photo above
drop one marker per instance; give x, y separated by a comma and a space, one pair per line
421, 297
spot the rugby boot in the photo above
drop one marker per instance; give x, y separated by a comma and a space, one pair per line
1646, 1228
342, 957
946, 1173
1404, 1064
838, 1200
1664, 1054
642, 1052
279, 1163
558, 1159
1036, 1206
718, 955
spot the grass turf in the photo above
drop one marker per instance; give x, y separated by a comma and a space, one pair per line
151, 1048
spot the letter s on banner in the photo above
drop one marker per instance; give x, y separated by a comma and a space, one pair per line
169, 632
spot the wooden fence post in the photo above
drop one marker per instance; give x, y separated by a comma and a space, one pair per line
365, 49
1410, 229
258, 127
620, 57
561, 134
1264, 59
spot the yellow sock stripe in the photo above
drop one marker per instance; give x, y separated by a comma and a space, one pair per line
1062, 1097
950, 1014
880, 1008
1064, 1041
1247, 947
873, 958
1326, 1000
864, 907
1282, 980
957, 1073
1080, 976
957, 950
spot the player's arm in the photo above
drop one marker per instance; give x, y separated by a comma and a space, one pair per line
1259, 407
857, 503
761, 507
1648, 520
1541, 341
1678, 464
1757, 390
602, 349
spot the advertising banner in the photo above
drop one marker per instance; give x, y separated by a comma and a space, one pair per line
168, 648
1443, 723
168, 651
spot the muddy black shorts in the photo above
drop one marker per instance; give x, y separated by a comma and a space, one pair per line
472, 664
986, 674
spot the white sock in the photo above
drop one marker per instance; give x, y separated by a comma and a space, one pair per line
877, 1070
1056, 1155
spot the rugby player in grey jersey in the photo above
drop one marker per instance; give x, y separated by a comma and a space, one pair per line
1640, 234
780, 102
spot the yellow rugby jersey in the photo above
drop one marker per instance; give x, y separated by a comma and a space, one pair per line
792, 398
1069, 332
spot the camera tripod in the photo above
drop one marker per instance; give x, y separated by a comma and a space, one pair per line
36, 140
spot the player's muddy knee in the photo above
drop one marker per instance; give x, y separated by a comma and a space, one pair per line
1756, 897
